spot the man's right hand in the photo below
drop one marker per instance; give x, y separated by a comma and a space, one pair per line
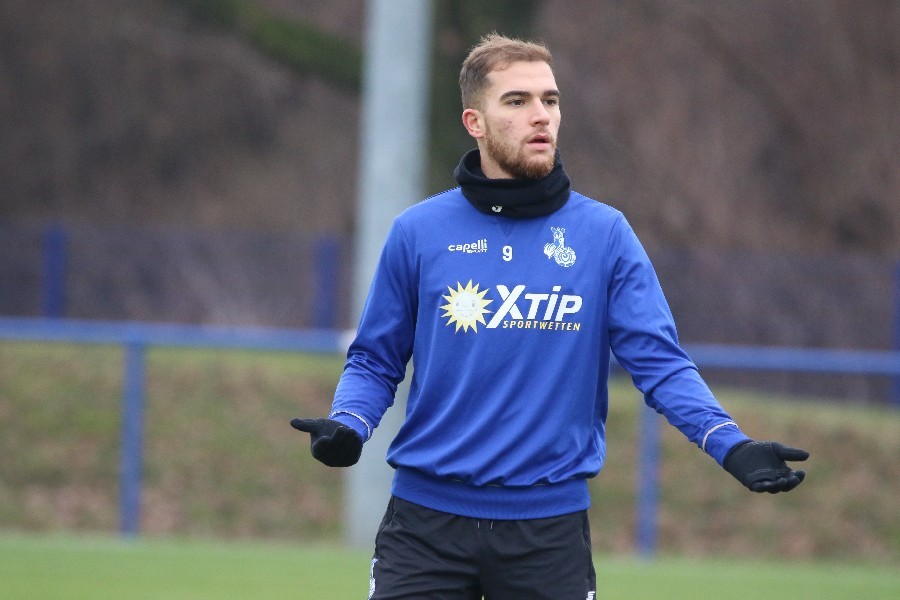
331, 442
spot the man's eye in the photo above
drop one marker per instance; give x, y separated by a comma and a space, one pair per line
552, 101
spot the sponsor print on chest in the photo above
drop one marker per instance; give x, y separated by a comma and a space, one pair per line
506, 303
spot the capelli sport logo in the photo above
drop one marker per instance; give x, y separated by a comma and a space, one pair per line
476, 247
511, 308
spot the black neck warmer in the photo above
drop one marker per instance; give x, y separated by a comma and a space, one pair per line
512, 197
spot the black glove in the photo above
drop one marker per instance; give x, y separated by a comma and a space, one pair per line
331, 442
760, 466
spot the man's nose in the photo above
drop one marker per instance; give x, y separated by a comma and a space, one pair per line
540, 114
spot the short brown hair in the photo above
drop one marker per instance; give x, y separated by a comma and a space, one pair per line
493, 52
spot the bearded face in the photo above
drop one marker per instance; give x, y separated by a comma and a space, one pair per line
512, 155
517, 122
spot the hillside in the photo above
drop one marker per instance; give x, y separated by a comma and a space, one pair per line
221, 461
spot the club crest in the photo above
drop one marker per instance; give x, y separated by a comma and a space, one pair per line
557, 250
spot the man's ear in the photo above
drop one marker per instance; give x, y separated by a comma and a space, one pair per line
473, 121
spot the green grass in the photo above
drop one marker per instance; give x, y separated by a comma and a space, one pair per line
70, 568
97, 568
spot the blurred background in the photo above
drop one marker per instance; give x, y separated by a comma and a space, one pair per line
196, 162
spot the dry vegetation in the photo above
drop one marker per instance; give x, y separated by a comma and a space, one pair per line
731, 124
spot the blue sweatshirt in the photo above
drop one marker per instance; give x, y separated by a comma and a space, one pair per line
510, 323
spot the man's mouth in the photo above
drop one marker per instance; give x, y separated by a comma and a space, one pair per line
541, 141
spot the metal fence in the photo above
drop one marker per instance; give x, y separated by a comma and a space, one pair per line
136, 337
88, 284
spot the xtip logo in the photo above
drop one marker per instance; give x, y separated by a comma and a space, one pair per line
467, 307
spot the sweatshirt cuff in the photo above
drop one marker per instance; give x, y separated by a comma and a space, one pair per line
721, 438
354, 422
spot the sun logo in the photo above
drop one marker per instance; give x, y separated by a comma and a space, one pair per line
466, 306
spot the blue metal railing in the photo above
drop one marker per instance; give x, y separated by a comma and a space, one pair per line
745, 358
136, 337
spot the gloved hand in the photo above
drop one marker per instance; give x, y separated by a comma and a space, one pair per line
331, 442
760, 466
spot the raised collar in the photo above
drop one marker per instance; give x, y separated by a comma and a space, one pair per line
517, 198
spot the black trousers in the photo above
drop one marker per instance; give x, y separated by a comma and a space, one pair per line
425, 554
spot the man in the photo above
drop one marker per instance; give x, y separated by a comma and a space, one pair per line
509, 293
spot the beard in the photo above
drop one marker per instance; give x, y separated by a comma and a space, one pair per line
513, 161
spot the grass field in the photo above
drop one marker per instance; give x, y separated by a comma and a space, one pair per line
70, 568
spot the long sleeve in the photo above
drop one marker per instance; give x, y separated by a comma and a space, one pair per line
377, 358
644, 341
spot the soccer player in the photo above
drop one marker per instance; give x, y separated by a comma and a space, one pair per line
508, 293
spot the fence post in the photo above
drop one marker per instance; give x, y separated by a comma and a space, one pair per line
328, 265
132, 440
895, 392
53, 300
647, 505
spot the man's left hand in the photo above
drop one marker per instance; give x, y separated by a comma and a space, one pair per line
761, 466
